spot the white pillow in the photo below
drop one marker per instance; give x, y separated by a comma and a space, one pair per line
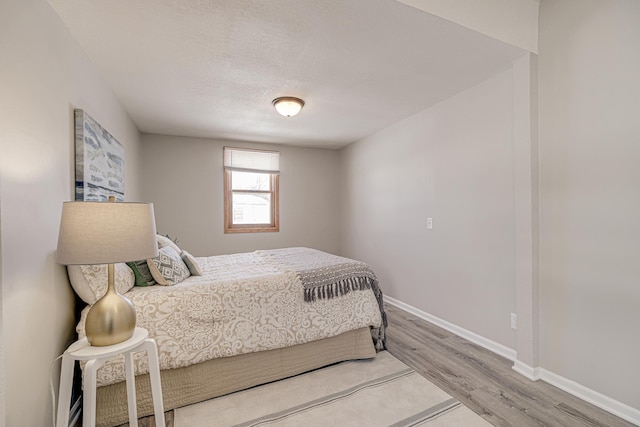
90, 281
191, 263
164, 241
168, 268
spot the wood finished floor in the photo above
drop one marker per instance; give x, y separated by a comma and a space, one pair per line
482, 380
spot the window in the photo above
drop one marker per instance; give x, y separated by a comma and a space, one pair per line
250, 190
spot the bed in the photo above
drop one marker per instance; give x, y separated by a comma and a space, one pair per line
231, 322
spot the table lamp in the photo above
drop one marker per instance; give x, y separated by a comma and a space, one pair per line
107, 233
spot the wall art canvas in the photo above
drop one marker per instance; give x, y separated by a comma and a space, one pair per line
99, 161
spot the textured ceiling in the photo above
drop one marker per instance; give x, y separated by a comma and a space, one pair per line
211, 68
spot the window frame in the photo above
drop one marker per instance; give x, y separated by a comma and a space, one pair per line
229, 226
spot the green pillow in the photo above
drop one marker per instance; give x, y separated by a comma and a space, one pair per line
142, 274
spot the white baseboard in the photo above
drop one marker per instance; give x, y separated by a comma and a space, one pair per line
495, 347
610, 405
606, 403
534, 374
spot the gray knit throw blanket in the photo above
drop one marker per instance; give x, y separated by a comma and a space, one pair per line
326, 276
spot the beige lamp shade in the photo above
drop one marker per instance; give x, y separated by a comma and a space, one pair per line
104, 233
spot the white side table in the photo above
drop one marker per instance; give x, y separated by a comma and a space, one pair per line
95, 357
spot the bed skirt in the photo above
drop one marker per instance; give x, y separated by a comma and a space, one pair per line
213, 378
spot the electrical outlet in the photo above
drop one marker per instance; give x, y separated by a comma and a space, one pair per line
514, 321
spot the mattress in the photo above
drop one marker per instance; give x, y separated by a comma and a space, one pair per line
242, 304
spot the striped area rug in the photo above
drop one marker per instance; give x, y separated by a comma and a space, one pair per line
377, 392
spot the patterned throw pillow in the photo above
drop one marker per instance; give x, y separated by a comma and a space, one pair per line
168, 268
142, 273
192, 264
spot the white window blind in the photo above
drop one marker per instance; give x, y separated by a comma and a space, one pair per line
238, 159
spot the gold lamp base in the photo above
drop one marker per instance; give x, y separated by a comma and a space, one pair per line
112, 319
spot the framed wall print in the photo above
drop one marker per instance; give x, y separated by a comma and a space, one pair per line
99, 161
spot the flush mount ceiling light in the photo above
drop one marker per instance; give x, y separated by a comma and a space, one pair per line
288, 106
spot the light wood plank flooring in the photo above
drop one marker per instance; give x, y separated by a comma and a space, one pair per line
484, 381
480, 379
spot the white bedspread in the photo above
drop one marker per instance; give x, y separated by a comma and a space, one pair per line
243, 303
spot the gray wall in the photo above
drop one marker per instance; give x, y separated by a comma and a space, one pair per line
43, 77
590, 193
183, 177
453, 163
